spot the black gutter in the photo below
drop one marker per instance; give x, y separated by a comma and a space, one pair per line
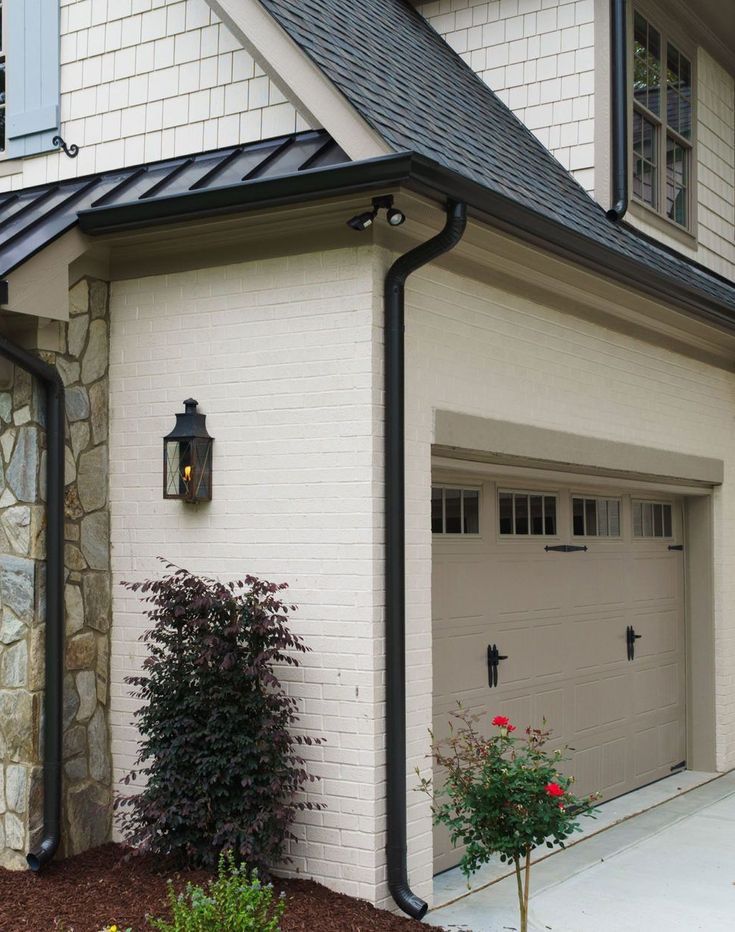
53, 700
429, 178
395, 551
619, 108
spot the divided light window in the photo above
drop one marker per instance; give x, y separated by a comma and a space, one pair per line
596, 517
526, 513
2, 80
455, 511
651, 519
662, 123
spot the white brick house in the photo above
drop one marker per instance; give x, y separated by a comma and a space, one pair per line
568, 384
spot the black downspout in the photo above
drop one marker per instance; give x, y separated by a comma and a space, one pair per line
53, 699
619, 108
395, 552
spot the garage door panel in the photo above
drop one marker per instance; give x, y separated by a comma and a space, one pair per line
511, 589
600, 703
596, 581
656, 688
654, 578
597, 642
659, 632
647, 754
460, 663
467, 585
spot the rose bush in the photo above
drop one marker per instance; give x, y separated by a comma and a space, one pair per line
503, 795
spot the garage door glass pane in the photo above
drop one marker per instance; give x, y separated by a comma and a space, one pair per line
452, 511
590, 517
537, 514
667, 520
550, 515
437, 523
521, 509
613, 518
505, 508
471, 511
578, 516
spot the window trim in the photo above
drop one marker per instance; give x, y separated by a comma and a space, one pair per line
658, 217
460, 487
515, 490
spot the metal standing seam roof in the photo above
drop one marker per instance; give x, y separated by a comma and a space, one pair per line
32, 218
421, 96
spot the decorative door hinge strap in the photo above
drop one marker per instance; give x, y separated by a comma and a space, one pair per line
676, 546
564, 548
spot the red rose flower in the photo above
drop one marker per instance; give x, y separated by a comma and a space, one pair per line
553, 789
501, 721
510, 728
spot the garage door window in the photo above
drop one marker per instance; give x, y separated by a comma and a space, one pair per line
596, 517
524, 514
455, 511
651, 519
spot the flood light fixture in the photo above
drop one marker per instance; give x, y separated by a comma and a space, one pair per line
394, 216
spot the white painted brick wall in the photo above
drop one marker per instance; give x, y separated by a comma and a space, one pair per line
151, 79
538, 57
280, 355
475, 349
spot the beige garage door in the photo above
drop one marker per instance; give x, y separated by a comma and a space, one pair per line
563, 620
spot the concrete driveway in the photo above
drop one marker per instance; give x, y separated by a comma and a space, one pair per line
670, 869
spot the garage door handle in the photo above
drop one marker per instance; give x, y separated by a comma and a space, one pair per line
630, 638
493, 659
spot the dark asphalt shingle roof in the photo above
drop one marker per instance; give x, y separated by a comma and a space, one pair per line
34, 217
419, 95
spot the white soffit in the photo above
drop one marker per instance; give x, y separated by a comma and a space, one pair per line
299, 78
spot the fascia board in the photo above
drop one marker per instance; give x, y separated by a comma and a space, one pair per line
299, 78
426, 177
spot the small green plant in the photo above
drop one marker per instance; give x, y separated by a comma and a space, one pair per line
237, 901
502, 795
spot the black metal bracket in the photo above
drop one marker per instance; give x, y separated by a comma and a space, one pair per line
564, 548
676, 546
630, 638
72, 151
493, 659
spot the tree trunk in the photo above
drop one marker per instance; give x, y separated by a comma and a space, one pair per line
522, 900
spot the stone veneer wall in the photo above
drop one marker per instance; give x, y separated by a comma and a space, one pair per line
82, 361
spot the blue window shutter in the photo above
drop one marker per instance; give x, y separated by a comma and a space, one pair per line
32, 76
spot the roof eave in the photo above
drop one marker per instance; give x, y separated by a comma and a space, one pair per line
427, 177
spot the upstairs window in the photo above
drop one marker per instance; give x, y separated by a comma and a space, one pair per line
662, 123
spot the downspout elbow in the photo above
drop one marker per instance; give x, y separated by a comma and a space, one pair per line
619, 109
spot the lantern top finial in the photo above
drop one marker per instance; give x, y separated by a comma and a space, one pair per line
190, 406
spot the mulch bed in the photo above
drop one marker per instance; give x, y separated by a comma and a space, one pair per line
84, 893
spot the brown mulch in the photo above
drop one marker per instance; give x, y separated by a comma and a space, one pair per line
84, 893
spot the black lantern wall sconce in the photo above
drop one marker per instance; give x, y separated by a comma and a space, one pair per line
187, 457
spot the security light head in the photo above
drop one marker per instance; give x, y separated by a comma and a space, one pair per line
396, 217
362, 221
